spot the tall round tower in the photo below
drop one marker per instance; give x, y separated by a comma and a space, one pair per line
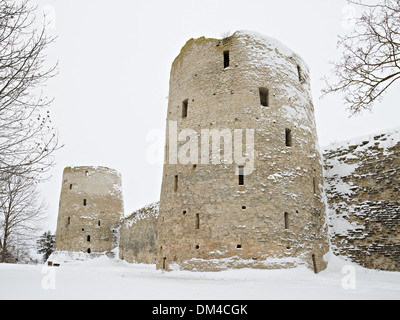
242, 183
91, 206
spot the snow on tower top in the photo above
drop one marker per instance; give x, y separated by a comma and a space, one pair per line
268, 41
261, 55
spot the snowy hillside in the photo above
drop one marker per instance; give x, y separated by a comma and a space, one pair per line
105, 278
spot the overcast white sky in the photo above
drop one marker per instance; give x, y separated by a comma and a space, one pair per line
114, 63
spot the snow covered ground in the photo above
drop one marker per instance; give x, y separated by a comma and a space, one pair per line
105, 278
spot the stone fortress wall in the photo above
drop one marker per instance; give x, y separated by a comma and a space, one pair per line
266, 209
362, 183
138, 235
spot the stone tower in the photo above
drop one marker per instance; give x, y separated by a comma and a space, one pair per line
242, 183
90, 208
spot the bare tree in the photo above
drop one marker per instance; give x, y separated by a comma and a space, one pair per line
21, 214
371, 56
27, 137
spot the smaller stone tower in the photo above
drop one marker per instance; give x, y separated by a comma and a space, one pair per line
91, 205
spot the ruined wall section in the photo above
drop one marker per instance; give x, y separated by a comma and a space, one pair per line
362, 182
138, 235
90, 208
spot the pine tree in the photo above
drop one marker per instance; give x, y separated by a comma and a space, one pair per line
46, 244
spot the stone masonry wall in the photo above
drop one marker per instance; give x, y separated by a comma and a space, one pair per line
362, 182
91, 206
138, 235
275, 218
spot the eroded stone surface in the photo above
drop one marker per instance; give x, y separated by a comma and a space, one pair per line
362, 178
279, 211
91, 206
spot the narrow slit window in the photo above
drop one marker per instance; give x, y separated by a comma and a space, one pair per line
185, 108
264, 97
197, 221
88, 238
241, 176
300, 74
164, 263
288, 137
84, 202
314, 185
70, 186
226, 59
314, 262
98, 223
286, 220
176, 184
69, 221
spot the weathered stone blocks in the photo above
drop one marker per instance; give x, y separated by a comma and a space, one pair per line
91, 206
138, 235
267, 206
362, 178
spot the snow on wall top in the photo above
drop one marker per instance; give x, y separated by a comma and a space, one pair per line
342, 159
384, 140
143, 213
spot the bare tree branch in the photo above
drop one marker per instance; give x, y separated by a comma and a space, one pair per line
371, 56
27, 136
28, 139
21, 214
